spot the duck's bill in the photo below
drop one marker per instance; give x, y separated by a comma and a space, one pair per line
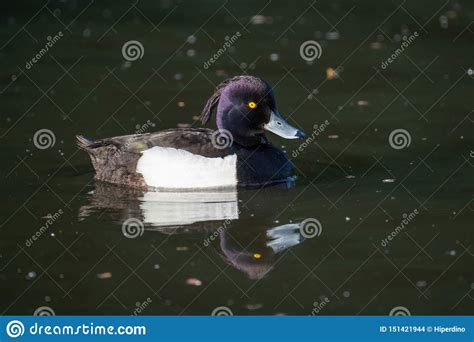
279, 126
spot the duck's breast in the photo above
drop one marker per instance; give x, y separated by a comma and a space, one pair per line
263, 165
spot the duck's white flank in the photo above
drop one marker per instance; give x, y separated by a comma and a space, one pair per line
164, 167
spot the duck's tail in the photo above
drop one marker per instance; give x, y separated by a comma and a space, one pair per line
85, 143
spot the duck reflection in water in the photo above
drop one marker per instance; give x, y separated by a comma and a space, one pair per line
251, 247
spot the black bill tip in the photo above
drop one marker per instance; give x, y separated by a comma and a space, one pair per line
300, 134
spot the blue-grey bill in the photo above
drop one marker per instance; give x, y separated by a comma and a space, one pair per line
279, 126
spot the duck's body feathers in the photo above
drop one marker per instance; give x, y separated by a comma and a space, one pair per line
183, 158
115, 159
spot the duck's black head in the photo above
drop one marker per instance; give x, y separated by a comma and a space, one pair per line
245, 106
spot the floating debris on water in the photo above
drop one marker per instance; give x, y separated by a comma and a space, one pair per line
388, 180
333, 136
182, 248
191, 53
375, 46
30, 275
332, 35
87, 33
184, 125
193, 282
443, 21
451, 252
348, 218
332, 73
104, 275
156, 266
421, 283
350, 177
274, 57
178, 77
126, 65
346, 294
261, 19
362, 103
191, 39
181, 104
254, 306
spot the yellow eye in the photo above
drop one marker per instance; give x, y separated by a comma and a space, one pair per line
257, 255
252, 105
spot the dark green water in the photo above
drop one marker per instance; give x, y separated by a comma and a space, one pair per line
350, 179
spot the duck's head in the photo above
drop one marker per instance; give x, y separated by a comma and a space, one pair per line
245, 106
